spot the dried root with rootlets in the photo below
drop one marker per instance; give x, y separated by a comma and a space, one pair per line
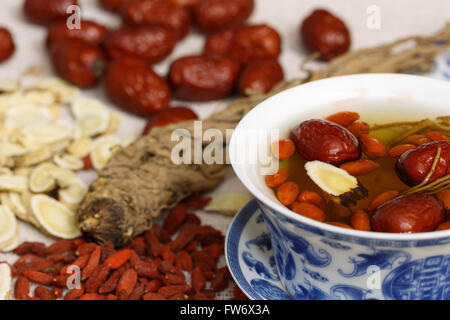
141, 181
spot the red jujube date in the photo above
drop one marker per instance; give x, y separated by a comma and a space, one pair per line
414, 165
409, 214
325, 141
326, 34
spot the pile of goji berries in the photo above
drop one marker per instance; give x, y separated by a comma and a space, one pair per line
175, 261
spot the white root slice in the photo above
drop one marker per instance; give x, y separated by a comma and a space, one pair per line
14, 202
27, 114
49, 132
26, 201
114, 123
9, 149
74, 193
68, 161
63, 177
13, 183
228, 204
336, 182
14, 244
83, 106
54, 217
5, 281
8, 226
331, 179
63, 90
41, 178
9, 85
42, 154
5, 170
94, 122
80, 147
102, 150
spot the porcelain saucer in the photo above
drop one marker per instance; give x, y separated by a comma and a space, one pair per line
250, 258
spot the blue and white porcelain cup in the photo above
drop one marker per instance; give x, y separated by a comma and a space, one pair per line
321, 261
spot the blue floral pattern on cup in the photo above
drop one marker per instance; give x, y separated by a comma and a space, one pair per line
403, 270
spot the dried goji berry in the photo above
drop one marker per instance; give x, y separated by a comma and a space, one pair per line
214, 250
60, 280
137, 292
202, 257
162, 234
78, 242
175, 218
119, 258
111, 284
166, 267
338, 224
397, 151
38, 277
278, 178
43, 293
153, 285
111, 297
198, 280
134, 259
186, 235
358, 128
309, 210
287, 193
443, 226
165, 252
21, 288
127, 282
192, 218
183, 261
107, 250
92, 296
58, 292
138, 245
168, 291
382, 198
85, 248
207, 235
437, 136
60, 247
152, 243
30, 262
360, 167
444, 196
87, 163
153, 296
283, 149
56, 257
344, 118
93, 262
191, 246
417, 139
220, 280
360, 220
80, 262
37, 248
178, 296
170, 279
312, 197
371, 146
74, 294
97, 278
147, 269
